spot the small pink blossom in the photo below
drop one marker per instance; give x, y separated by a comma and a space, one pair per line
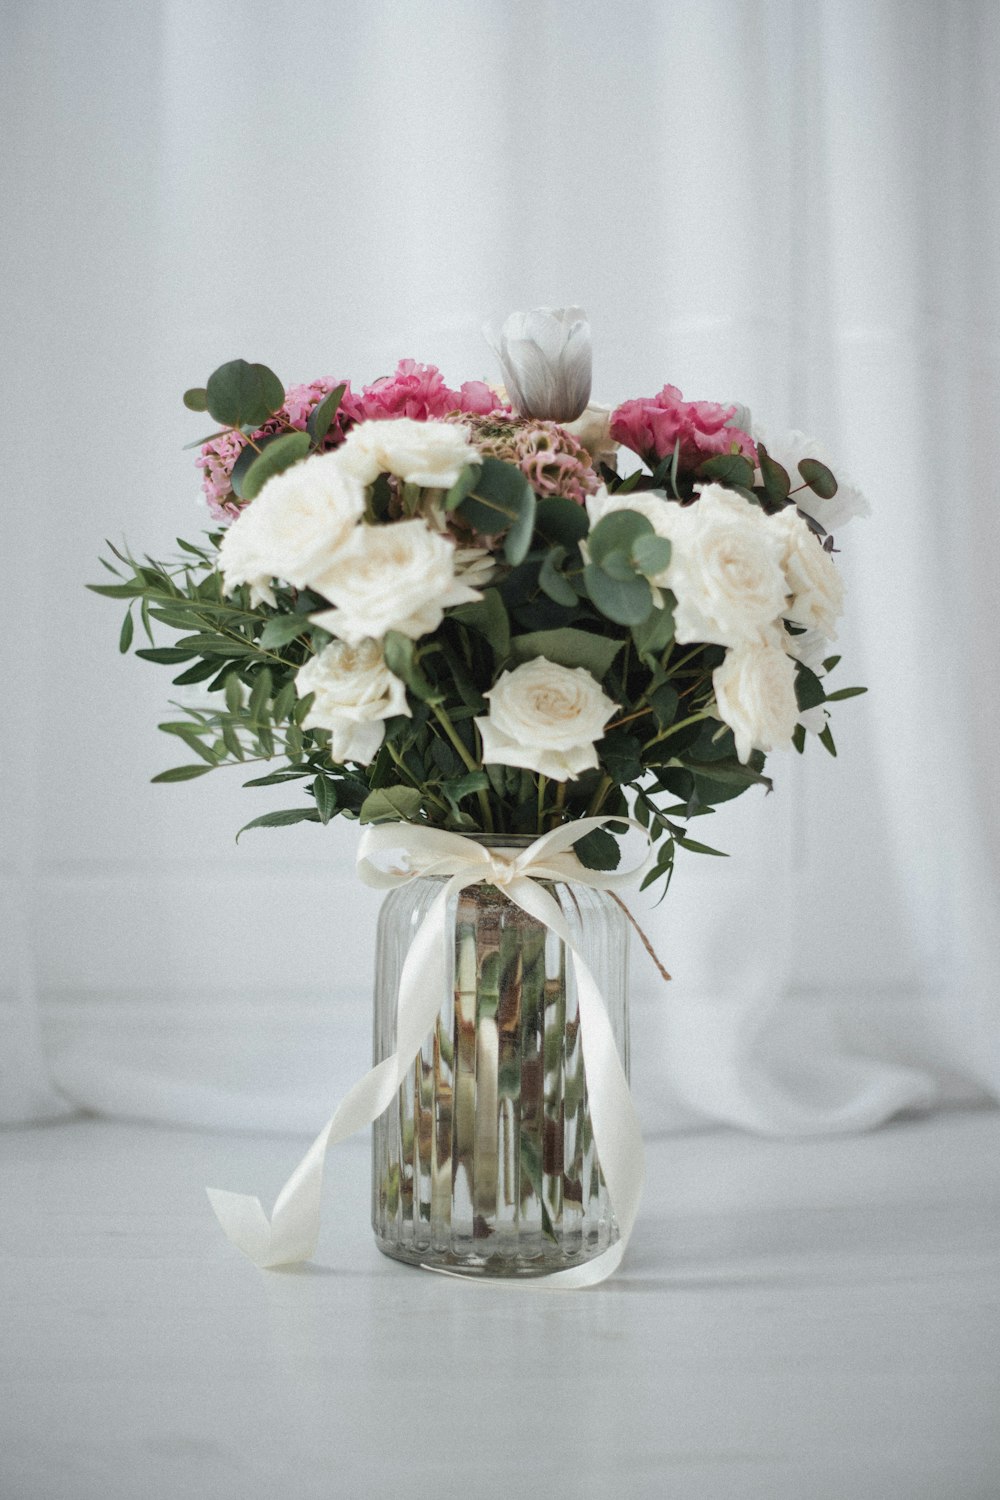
651, 426
217, 458
420, 392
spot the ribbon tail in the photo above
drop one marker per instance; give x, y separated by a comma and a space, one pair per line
291, 1234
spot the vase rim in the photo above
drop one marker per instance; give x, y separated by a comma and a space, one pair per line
503, 840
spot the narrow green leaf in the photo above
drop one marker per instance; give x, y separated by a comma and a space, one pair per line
826, 739
259, 695
830, 663
809, 691
165, 655
127, 632
326, 798
696, 848
568, 648
848, 692
182, 773
282, 819
320, 419
799, 737
233, 692
281, 629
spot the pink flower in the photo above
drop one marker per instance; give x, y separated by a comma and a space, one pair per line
549, 457
651, 426
419, 391
217, 458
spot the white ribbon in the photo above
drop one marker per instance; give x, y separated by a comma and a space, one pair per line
291, 1233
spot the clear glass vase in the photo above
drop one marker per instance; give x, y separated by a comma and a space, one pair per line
486, 1162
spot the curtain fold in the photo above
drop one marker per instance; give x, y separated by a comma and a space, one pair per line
793, 206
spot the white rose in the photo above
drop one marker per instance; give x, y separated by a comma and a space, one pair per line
665, 516
396, 577
755, 696
355, 694
431, 454
725, 571
592, 430
293, 529
815, 586
545, 718
787, 448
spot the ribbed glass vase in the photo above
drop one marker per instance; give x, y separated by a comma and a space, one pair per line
487, 1163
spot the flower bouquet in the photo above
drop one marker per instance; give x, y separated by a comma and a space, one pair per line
497, 625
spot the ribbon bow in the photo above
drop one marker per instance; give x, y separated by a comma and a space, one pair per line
291, 1233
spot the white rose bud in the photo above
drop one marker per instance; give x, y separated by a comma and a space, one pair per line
396, 577
725, 571
545, 356
755, 696
293, 529
431, 454
355, 694
592, 431
545, 718
814, 584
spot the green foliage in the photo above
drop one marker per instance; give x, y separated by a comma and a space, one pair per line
243, 395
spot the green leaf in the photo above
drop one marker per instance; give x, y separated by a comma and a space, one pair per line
320, 419
488, 616
651, 554
243, 395
696, 848
259, 695
127, 632
554, 583
818, 477
273, 459
826, 739
809, 692
502, 501
664, 702
284, 702
830, 663
617, 532
598, 850
653, 635
391, 804
727, 468
841, 693
165, 655
196, 399
200, 672
621, 755
465, 482
625, 603
326, 798
182, 773
234, 693
284, 818
401, 659
247, 457
799, 737
281, 629
561, 522
568, 648
775, 477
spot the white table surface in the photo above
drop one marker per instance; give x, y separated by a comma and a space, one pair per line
816, 1320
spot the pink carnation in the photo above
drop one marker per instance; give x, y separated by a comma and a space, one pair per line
651, 425
419, 391
217, 458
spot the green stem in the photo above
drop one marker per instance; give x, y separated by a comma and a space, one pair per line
484, 805
542, 788
665, 734
602, 791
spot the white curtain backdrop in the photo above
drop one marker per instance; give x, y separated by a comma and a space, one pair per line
794, 205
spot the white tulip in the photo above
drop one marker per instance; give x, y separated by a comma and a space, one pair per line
546, 361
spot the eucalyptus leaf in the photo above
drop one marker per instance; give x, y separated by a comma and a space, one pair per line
818, 477
651, 554
502, 501
625, 603
239, 394
274, 459
196, 399
775, 477
554, 583
561, 521
617, 532
727, 468
465, 482
487, 616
